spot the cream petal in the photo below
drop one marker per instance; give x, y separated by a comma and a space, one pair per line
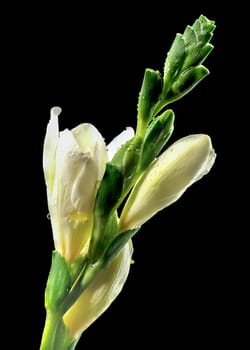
182, 164
74, 164
69, 163
72, 201
100, 294
91, 141
49, 148
119, 140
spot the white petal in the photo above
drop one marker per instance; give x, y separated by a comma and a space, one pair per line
91, 141
119, 140
49, 148
100, 294
80, 165
76, 175
182, 164
68, 164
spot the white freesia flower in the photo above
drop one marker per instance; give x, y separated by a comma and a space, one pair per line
168, 177
100, 294
74, 163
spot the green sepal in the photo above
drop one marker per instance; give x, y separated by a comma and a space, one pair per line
187, 81
59, 282
157, 134
148, 96
117, 244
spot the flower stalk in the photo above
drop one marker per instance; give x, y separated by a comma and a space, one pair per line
100, 195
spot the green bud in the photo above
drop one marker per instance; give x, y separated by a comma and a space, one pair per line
157, 134
196, 50
131, 158
187, 81
149, 94
117, 160
183, 70
109, 191
174, 62
108, 195
126, 159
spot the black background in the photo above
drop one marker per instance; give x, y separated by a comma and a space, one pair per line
90, 60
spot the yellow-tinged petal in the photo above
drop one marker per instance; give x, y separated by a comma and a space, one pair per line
182, 164
100, 294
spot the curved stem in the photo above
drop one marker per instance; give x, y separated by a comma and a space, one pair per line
55, 335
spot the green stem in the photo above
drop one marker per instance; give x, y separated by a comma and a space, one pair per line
162, 103
55, 335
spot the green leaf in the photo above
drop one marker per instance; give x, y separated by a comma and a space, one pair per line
149, 94
59, 282
117, 244
157, 134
